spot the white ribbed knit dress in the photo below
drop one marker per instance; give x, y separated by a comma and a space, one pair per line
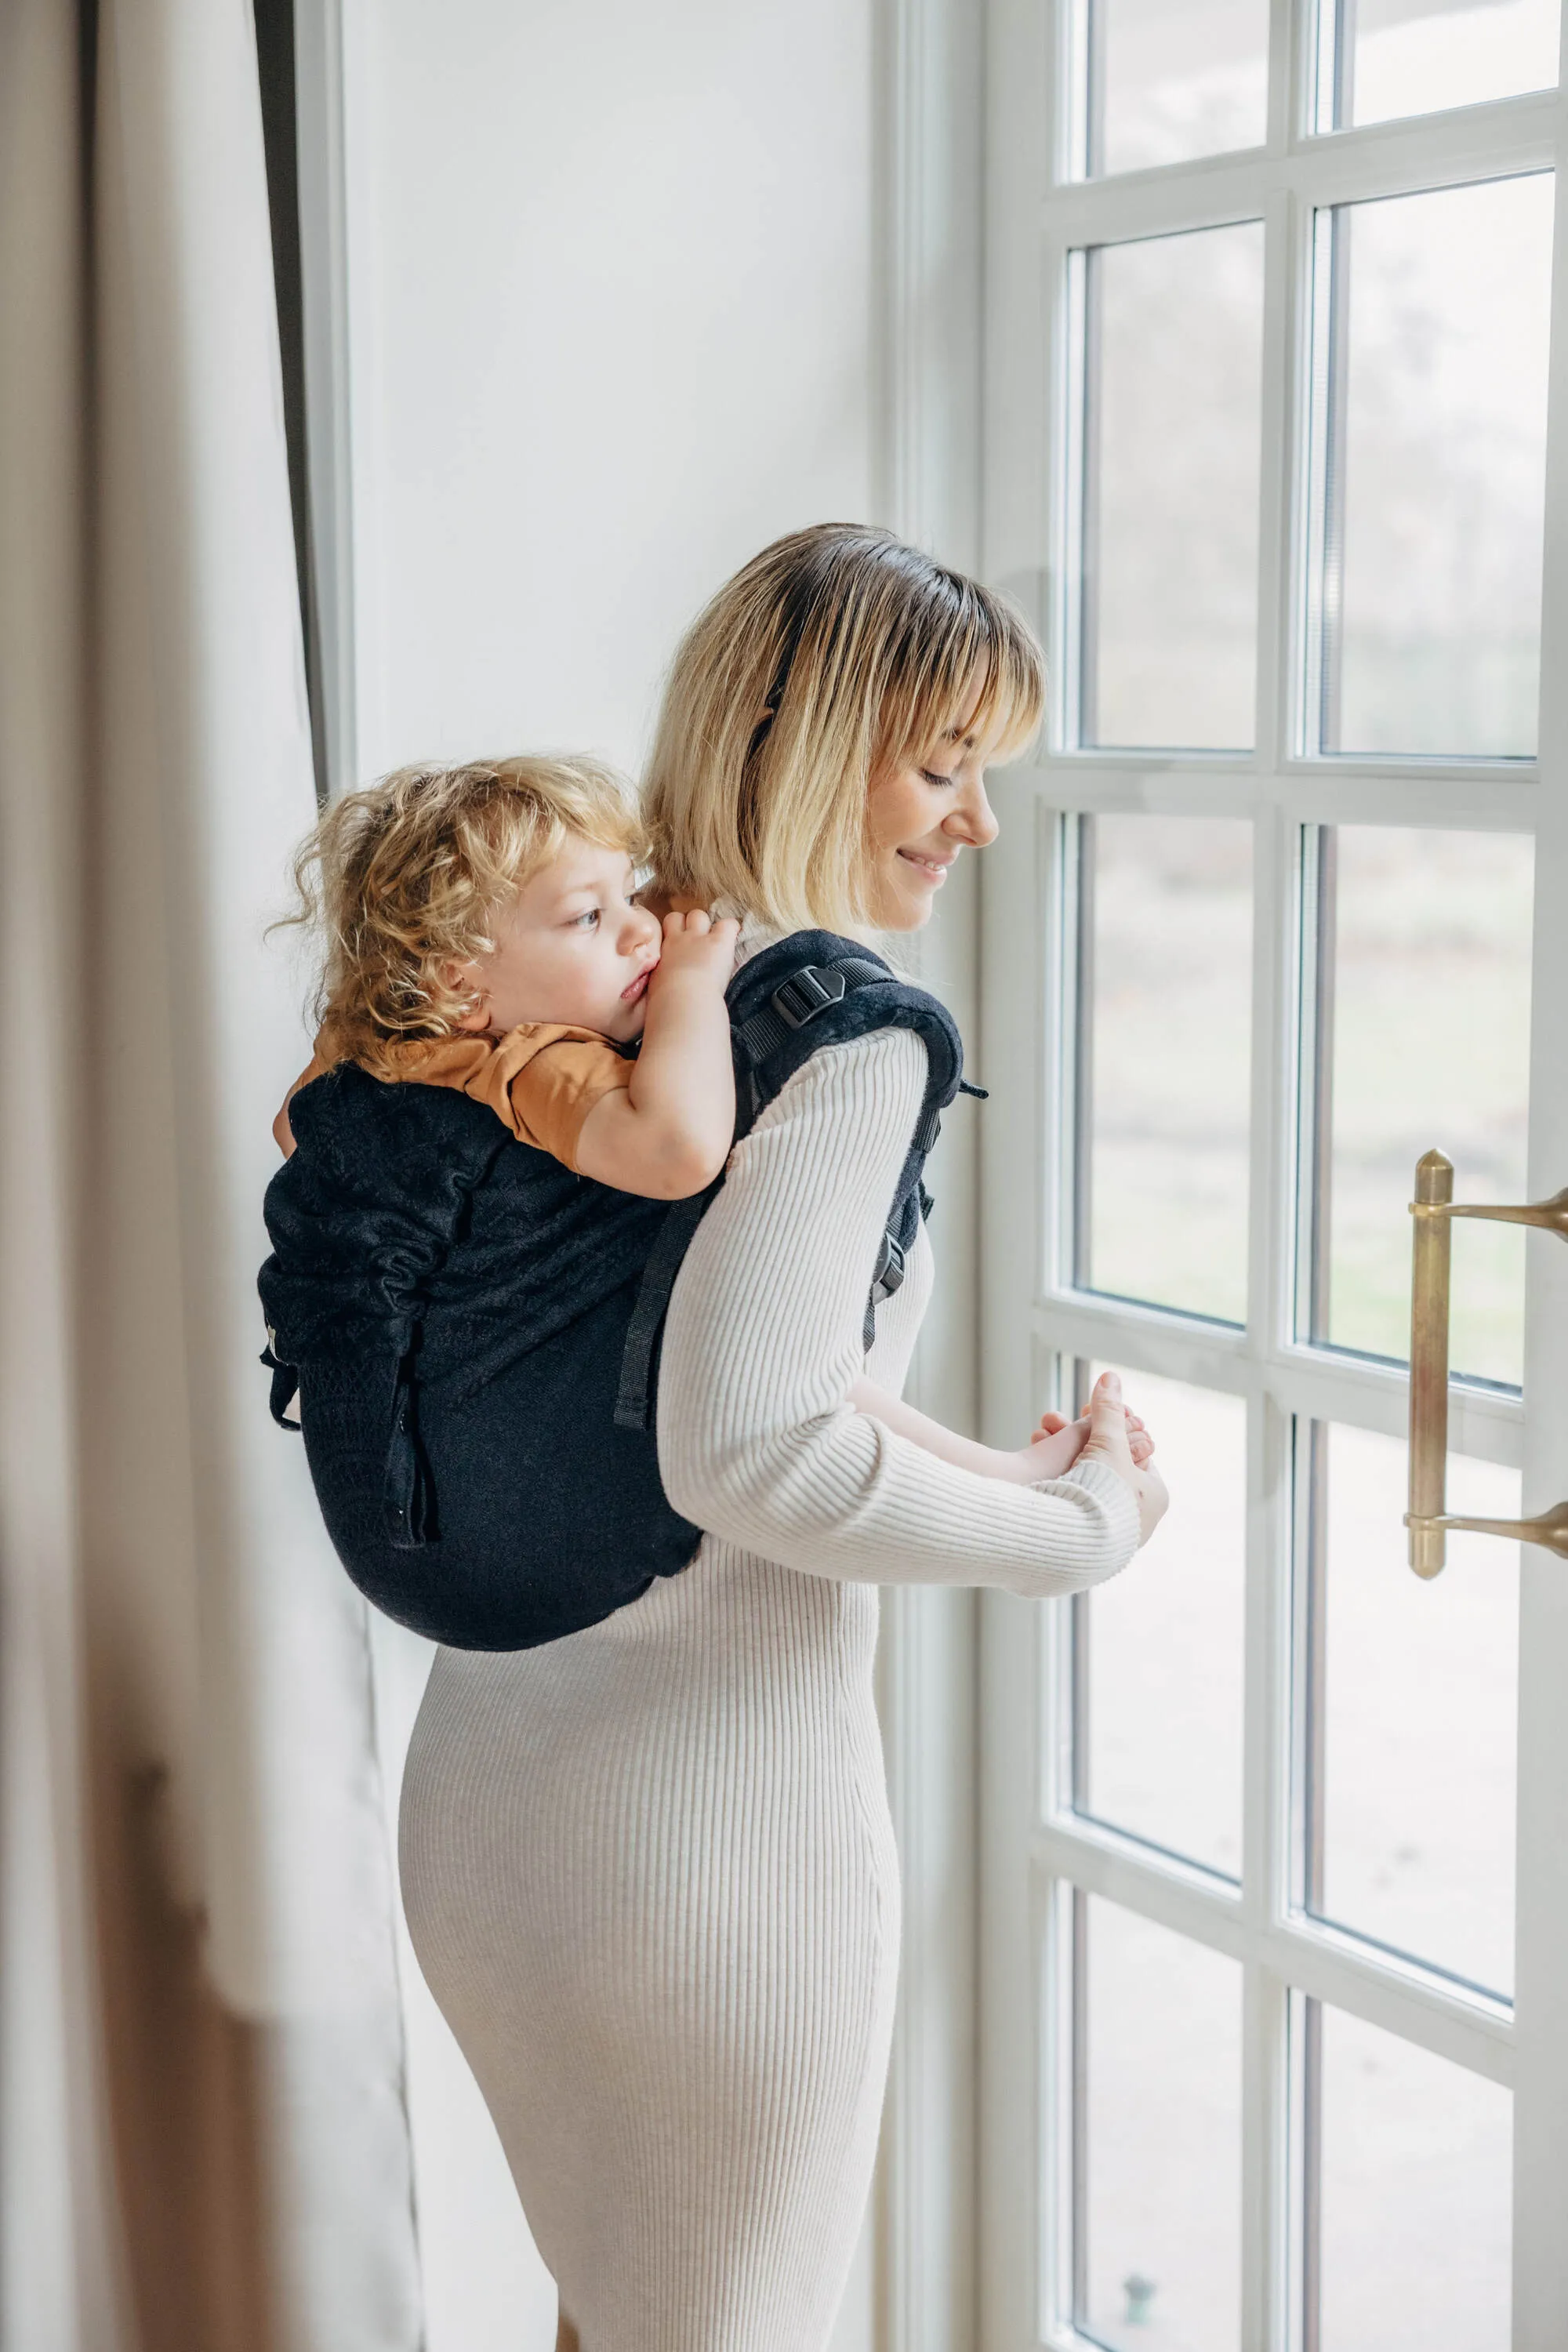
650, 1870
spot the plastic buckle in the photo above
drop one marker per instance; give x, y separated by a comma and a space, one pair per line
889, 1274
805, 992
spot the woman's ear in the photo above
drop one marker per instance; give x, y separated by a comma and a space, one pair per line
464, 980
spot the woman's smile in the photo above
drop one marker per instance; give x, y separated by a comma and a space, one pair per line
932, 866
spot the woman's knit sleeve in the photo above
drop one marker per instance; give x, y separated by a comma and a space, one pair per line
756, 1444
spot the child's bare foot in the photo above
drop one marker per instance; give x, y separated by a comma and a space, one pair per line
1050, 1454
1139, 1444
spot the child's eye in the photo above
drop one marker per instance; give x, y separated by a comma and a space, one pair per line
589, 920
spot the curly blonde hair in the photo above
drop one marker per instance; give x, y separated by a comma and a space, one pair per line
835, 652
404, 880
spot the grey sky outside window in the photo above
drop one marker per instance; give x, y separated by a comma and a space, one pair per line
1417, 1032
1429, 357
1164, 963
1163, 85
1382, 59
1171, 373
1408, 1826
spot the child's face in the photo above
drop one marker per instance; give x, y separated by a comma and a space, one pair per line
572, 948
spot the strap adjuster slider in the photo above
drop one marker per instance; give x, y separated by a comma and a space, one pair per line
890, 1270
805, 992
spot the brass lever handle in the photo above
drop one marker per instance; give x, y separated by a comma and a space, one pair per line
1432, 1210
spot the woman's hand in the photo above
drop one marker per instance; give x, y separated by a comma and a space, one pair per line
1110, 1441
1058, 1443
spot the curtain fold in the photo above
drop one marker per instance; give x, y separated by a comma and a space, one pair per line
202, 2121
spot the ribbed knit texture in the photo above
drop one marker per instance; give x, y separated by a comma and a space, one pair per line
649, 1869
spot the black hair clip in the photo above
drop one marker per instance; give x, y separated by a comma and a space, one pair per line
801, 603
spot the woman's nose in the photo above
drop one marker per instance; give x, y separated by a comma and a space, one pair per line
972, 820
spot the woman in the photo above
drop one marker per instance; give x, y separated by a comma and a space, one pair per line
649, 1869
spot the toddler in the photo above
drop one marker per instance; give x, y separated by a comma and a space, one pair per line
484, 935
539, 987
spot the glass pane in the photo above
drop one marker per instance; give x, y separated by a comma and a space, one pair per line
1412, 1714
1413, 57
1158, 1652
1168, 82
1158, 2250
1432, 355
1423, 1038
1172, 369
1164, 1049
1416, 2198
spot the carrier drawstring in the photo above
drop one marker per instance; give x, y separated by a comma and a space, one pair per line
408, 1497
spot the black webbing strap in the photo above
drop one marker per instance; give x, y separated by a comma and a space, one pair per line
285, 1386
888, 1278
795, 1002
639, 1362
803, 994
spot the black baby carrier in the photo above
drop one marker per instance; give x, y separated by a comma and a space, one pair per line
473, 1331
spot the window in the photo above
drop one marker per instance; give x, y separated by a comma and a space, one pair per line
1270, 456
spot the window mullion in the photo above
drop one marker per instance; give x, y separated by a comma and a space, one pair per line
1276, 534
1398, 158
1265, 1828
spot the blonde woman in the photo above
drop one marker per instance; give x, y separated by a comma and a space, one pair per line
649, 1869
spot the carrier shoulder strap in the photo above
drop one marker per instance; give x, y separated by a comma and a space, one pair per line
785, 1003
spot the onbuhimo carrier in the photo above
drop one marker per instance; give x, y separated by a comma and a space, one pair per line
473, 1330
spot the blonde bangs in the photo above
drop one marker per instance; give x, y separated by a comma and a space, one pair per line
981, 674
833, 652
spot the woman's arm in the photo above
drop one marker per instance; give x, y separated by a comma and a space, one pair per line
757, 1442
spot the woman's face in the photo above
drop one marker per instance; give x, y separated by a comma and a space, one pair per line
920, 816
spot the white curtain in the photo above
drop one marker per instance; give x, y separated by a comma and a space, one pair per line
202, 2139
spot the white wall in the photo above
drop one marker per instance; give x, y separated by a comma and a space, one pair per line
610, 277
610, 316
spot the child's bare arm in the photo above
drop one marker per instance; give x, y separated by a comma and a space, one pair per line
669, 1133
282, 1132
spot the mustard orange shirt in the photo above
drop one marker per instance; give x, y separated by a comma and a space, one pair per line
540, 1079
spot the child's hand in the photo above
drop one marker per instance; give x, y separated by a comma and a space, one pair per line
1110, 1441
697, 947
668, 1134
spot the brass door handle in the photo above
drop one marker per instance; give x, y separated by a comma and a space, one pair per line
1431, 1209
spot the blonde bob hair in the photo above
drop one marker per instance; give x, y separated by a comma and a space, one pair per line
834, 652
406, 879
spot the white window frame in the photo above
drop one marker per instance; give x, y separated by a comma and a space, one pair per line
1031, 1846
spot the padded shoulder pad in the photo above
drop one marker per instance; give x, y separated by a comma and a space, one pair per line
811, 990
814, 989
